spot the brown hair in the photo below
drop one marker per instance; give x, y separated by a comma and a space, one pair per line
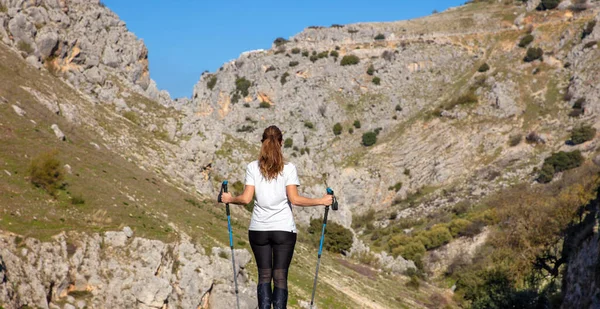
270, 160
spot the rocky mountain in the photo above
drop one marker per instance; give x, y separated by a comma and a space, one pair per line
416, 124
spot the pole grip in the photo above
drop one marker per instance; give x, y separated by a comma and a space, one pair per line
334, 204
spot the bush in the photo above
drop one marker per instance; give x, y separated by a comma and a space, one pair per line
590, 44
293, 63
558, 162
349, 60
132, 116
534, 53
236, 98
334, 54
398, 108
323, 54
212, 81
356, 124
380, 37
395, 187
305, 53
457, 226
264, 105
46, 172
515, 140
371, 70
309, 124
314, 58
464, 99
369, 139
438, 236
350, 130
77, 200
288, 143
483, 68
242, 85
295, 50
338, 239
284, 77
582, 134
548, 5
589, 28
280, 41
245, 128
526, 40
337, 128
376, 80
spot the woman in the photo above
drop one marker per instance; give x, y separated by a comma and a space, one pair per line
272, 231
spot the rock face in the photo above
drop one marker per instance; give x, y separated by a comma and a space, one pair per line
114, 271
73, 37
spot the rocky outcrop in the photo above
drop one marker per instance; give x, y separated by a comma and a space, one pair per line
79, 40
117, 270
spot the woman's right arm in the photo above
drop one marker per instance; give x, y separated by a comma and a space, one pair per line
298, 200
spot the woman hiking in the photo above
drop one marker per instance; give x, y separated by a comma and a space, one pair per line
272, 232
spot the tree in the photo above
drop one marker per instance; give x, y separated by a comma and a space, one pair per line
534, 53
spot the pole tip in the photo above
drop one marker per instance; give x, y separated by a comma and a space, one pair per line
225, 182
329, 191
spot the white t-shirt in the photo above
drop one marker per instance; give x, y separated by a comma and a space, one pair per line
272, 210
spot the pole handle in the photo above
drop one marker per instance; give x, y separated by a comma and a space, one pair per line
334, 204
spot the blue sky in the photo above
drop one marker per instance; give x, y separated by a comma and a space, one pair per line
187, 37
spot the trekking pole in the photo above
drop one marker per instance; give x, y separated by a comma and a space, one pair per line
224, 189
334, 206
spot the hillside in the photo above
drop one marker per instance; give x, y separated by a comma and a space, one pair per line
447, 139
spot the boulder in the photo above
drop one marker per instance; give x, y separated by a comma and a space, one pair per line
59, 134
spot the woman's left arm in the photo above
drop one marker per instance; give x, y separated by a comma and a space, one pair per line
242, 199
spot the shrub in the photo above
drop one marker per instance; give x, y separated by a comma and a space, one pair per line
376, 80
515, 140
483, 68
337, 128
337, 26
526, 40
264, 105
212, 81
295, 50
371, 70
245, 128
398, 108
339, 238
293, 63
305, 53
242, 85
579, 104
589, 28
356, 124
45, 171
314, 58
464, 99
534, 53
309, 124
380, 37
457, 226
284, 77
582, 134
413, 251
350, 130
438, 236
236, 98
288, 143
25, 47
280, 41
395, 187
77, 200
349, 60
334, 54
558, 162
548, 5
590, 44
369, 139
323, 54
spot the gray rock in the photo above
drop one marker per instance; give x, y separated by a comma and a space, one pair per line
22, 29
69, 306
110, 57
128, 232
19, 111
59, 134
34, 61
47, 43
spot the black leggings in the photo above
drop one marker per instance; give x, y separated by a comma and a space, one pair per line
273, 251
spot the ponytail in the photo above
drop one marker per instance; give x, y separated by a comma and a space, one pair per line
270, 160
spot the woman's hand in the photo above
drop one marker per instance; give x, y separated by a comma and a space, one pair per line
226, 197
327, 200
